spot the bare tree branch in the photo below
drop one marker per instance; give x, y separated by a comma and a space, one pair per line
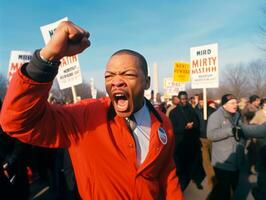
257, 76
235, 80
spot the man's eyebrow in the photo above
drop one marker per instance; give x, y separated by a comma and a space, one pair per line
109, 72
121, 72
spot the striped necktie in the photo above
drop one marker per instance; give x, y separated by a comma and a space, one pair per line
131, 122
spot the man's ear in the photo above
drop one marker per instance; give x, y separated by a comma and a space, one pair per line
148, 83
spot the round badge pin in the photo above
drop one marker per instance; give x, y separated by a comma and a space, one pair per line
162, 135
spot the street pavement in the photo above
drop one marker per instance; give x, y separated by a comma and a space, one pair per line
243, 191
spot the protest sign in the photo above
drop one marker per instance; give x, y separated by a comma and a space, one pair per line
204, 66
69, 73
181, 72
17, 59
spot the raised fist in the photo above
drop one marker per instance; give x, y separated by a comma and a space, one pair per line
68, 40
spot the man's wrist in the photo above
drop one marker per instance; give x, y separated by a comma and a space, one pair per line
49, 62
47, 58
39, 70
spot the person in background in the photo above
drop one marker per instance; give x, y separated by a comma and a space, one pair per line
242, 103
196, 98
192, 102
260, 115
253, 148
186, 129
205, 142
175, 102
260, 118
255, 101
212, 104
152, 99
65, 183
259, 132
227, 153
14, 182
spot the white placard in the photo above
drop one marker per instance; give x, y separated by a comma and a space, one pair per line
172, 88
17, 59
69, 73
204, 70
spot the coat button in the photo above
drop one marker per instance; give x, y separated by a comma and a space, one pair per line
130, 145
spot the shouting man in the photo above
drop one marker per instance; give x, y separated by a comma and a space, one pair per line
120, 147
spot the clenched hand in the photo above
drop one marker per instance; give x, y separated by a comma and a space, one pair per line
68, 40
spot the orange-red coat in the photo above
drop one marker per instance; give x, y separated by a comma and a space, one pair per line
101, 147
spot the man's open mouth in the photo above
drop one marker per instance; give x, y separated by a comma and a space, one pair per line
121, 102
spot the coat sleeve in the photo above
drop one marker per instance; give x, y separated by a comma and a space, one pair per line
196, 121
27, 116
178, 127
257, 131
169, 180
215, 131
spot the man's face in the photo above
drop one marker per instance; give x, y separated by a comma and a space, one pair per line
192, 100
231, 106
264, 106
175, 100
201, 103
183, 100
256, 102
196, 98
125, 83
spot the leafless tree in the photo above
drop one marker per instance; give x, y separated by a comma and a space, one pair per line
235, 80
262, 32
82, 90
257, 77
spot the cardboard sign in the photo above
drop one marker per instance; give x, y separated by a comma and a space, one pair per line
69, 73
181, 72
17, 59
172, 88
204, 69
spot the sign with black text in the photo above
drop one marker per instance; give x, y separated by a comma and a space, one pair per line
17, 59
69, 73
204, 71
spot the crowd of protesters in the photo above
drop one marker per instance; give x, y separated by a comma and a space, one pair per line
204, 148
222, 155
107, 144
24, 165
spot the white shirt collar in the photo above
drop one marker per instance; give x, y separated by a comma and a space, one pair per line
142, 116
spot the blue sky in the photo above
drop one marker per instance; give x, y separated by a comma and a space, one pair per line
163, 31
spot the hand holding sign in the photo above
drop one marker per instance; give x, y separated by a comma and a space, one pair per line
68, 40
189, 125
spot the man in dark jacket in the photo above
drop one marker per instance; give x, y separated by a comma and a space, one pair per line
13, 174
258, 131
205, 142
186, 129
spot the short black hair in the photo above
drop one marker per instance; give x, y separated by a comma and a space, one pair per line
262, 101
182, 93
143, 62
253, 98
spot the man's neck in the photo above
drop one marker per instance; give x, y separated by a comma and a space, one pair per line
140, 107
